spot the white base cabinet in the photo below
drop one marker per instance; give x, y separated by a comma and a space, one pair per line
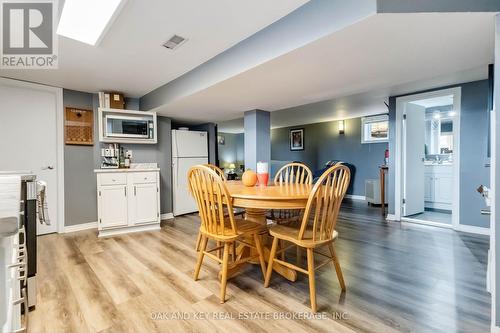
128, 200
438, 181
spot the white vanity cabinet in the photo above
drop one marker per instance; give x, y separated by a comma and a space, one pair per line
128, 200
438, 180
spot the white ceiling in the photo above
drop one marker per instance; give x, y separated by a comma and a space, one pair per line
436, 101
130, 57
375, 55
358, 105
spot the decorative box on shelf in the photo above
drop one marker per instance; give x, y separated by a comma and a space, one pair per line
127, 126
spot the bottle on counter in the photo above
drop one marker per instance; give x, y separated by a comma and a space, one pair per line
128, 160
121, 158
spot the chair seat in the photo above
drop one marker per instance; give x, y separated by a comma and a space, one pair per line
290, 234
285, 216
242, 226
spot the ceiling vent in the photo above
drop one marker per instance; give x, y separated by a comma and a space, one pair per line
174, 42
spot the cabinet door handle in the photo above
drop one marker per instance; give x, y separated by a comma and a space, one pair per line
135, 191
125, 188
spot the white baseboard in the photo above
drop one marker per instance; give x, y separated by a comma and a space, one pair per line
126, 230
427, 223
167, 216
495, 329
461, 227
473, 230
390, 217
355, 197
80, 227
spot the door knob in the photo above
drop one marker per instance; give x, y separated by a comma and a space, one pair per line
49, 167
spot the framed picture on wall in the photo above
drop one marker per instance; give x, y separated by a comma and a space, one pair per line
221, 140
297, 139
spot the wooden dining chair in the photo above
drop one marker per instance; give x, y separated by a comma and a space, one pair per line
213, 199
292, 173
322, 208
236, 211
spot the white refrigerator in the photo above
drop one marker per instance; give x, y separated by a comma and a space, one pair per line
189, 148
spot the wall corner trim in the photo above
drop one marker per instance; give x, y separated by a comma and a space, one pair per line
390, 217
80, 227
473, 230
166, 216
355, 197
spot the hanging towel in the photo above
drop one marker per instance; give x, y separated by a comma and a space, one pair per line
42, 209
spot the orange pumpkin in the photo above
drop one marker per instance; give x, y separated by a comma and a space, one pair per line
249, 178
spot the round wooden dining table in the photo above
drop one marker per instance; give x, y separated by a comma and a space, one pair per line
258, 200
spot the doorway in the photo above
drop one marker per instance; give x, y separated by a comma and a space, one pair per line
32, 131
427, 166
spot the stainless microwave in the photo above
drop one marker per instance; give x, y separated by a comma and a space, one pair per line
120, 126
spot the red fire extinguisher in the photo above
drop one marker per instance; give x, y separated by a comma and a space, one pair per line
386, 159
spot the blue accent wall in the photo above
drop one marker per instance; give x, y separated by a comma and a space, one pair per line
232, 150
323, 143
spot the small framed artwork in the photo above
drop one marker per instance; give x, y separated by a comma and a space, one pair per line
79, 126
297, 139
221, 140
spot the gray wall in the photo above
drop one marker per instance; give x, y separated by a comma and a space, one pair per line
323, 143
230, 151
473, 151
496, 154
80, 162
240, 147
474, 125
80, 204
412, 6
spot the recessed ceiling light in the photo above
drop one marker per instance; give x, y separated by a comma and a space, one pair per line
174, 42
437, 116
88, 20
452, 114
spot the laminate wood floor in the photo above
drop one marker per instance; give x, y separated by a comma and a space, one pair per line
400, 278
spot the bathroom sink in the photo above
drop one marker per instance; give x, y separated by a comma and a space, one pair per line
8, 226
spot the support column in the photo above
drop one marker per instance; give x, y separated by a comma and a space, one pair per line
257, 138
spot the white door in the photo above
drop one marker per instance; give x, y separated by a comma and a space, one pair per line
112, 200
414, 155
182, 200
28, 132
189, 144
143, 204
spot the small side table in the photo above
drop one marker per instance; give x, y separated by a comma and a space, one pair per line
383, 170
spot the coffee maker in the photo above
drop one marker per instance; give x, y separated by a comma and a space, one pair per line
110, 156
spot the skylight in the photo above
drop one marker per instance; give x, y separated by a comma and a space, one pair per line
88, 20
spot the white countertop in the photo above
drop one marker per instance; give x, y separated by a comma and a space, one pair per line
126, 170
438, 164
